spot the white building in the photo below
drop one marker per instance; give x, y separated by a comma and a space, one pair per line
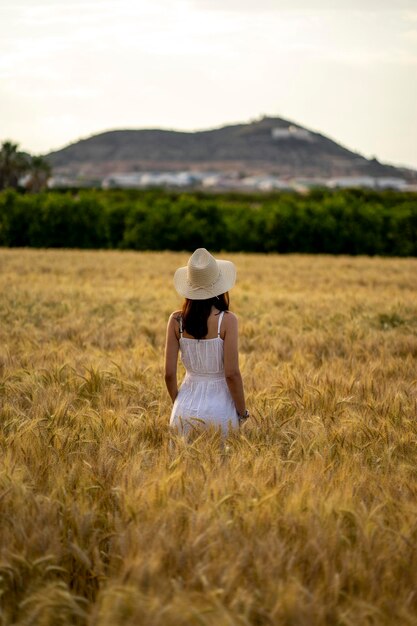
141, 180
122, 181
391, 183
292, 132
265, 183
368, 181
351, 181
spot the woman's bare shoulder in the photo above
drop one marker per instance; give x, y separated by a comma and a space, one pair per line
230, 319
174, 317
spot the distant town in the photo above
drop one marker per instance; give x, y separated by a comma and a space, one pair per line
220, 181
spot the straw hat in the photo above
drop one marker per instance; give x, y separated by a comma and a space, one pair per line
204, 277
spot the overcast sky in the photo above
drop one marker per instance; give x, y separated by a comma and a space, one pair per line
72, 68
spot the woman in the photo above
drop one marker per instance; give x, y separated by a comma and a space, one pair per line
206, 333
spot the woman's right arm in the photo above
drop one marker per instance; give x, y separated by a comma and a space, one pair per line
231, 363
171, 357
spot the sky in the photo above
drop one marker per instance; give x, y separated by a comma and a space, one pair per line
70, 69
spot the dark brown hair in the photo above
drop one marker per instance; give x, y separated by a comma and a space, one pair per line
195, 313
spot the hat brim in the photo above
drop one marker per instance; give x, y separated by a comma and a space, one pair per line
225, 281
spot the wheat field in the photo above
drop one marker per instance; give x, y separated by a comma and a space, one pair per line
307, 517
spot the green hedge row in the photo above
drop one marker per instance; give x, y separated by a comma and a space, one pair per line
338, 222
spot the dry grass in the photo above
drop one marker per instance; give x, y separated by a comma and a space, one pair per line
308, 518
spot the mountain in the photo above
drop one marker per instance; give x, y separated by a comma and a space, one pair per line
270, 145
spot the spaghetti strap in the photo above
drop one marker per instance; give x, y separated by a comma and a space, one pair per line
220, 323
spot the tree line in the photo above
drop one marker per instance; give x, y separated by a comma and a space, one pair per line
354, 221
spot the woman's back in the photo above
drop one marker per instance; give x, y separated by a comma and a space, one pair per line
203, 357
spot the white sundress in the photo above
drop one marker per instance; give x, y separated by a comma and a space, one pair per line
204, 394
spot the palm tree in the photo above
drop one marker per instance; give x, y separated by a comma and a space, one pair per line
39, 172
12, 164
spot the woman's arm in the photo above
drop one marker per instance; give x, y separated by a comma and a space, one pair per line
231, 363
171, 357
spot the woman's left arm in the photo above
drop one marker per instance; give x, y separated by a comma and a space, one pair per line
171, 357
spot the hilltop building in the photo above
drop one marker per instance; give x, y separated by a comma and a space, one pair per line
292, 132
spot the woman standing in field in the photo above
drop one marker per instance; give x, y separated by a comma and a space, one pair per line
206, 334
